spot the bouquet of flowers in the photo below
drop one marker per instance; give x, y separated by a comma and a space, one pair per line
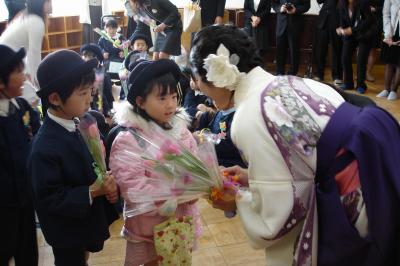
175, 174
124, 46
90, 134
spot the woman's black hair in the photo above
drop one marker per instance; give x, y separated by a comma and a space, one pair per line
5, 75
67, 91
236, 40
36, 7
166, 84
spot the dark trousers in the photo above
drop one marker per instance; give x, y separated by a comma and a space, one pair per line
14, 7
324, 38
289, 37
349, 47
18, 234
89, 36
69, 256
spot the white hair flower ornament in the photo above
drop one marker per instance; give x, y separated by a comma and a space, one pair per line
221, 68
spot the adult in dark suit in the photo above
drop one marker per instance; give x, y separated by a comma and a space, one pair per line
168, 25
256, 21
327, 22
212, 11
288, 27
357, 28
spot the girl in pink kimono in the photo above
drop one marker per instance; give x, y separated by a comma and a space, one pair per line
152, 103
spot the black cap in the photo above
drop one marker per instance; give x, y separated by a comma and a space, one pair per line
145, 71
60, 68
9, 57
95, 49
140, 36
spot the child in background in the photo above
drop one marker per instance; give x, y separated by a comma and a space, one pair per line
74, 214
219, 123
195, 102
152, 103
18, 123
140, 42
103, 99
110, 52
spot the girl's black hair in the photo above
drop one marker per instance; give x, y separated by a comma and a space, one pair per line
236, 40
166, 84
66, 91
5, 75
36, 7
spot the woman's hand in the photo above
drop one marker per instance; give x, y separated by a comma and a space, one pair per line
388, 41
347, 31
160, 28
241, 173
255, 21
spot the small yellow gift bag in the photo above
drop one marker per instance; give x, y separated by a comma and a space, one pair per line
173, 240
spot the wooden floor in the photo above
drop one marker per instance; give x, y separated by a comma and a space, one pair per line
224, 241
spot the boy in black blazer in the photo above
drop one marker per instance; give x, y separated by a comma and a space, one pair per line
288, 28
73, 213
18, 123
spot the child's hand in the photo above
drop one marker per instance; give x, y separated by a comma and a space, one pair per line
121, 54
105, 55
110, 188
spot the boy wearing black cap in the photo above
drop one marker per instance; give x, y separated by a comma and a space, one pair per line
139, 42
18, 122
72, 212
103, 84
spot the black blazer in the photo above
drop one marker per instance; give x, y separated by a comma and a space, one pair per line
61, 171
15, 140
328, 17
363, 24
284, 20
264, 9
210, 9
163, 11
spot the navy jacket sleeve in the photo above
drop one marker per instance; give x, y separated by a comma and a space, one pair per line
52, 193
174, 16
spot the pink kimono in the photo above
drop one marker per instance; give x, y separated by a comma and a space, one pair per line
138, 230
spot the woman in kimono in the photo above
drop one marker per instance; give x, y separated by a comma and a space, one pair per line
302, 206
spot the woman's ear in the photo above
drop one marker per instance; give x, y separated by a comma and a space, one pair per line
139, 101
54, 99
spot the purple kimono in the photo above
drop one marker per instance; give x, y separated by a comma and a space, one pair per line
372, 137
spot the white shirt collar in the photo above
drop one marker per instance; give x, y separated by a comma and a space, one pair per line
252, 81
4, 105
65, 123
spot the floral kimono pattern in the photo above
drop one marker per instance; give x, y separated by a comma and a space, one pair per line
296, 133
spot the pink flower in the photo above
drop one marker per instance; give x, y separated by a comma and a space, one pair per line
93, 131
187, 179
170, 148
